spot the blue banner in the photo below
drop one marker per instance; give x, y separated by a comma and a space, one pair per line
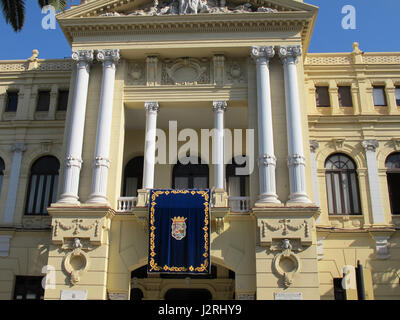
179, 231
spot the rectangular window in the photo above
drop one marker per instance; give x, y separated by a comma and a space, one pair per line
12, 101
379, 96
322, 96
28, 288
43, 102
345, 99
397, 93
62, 100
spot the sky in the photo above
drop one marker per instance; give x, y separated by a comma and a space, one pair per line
375, 28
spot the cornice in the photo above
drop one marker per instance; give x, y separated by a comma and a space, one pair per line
205, 23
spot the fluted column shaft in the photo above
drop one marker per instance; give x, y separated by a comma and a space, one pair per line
18, 148
219, 108
152, 108
373, 181
101, 164
296, 159
266, 159
73, 161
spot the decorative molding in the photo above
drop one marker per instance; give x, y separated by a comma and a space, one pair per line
295, 160
152, 70
382, 246
219, 66
267, 160
236, 71
289, 54
82, 58
136, 74
338, 143
186, 71
109, 57
314, 145
286, 264
18, 147
219, 106
76, 262
151, 106
5, 245
262, 54
71, 161
370, 145
117, 296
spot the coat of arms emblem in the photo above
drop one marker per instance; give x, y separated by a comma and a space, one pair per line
178, 228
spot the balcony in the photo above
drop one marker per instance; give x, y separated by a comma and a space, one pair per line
239, 204
126, 204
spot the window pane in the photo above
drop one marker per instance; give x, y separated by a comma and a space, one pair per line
234, 186
397, 92
200, 183
354, 190
32, 194
43, 103
322, 96
338, 199
379, 96
346, 193
12, 101
55, 189
39, 195
46, 193
181, 182
329, 192
345, 97
62, 100
131, 187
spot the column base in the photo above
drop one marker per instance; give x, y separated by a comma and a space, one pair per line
98, 199
299, 198
267, 199
66, 198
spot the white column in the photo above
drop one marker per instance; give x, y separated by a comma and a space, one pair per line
109, 58
73, 161
296, 159
373, 180
18, 148
314, 145
266, 159
219, 108
150, 144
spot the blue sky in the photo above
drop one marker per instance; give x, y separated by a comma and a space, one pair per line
376, 30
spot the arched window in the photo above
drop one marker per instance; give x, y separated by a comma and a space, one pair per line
342, 185
43, 183
392, 165
190, 176
237, 183
133, 176
2, 168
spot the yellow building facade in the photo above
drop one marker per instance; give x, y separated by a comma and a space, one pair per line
79, 153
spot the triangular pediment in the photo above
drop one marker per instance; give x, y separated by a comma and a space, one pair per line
95, 8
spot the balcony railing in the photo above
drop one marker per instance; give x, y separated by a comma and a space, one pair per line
125, 204
239, 204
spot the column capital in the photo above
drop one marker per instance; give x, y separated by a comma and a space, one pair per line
289, 54
314, 145
370, 144
151, 106
18, 147
265, 52
219, 105
109, 57
82, 57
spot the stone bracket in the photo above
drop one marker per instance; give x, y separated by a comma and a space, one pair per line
381, 238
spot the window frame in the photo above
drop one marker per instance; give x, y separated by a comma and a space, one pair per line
340, 172
7, 107
383, 89
348, 94
59, 97
392, 171
32, 203
243, 179
137, 170
43, 106
22, 285
397, 93
317, 96
187, 173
